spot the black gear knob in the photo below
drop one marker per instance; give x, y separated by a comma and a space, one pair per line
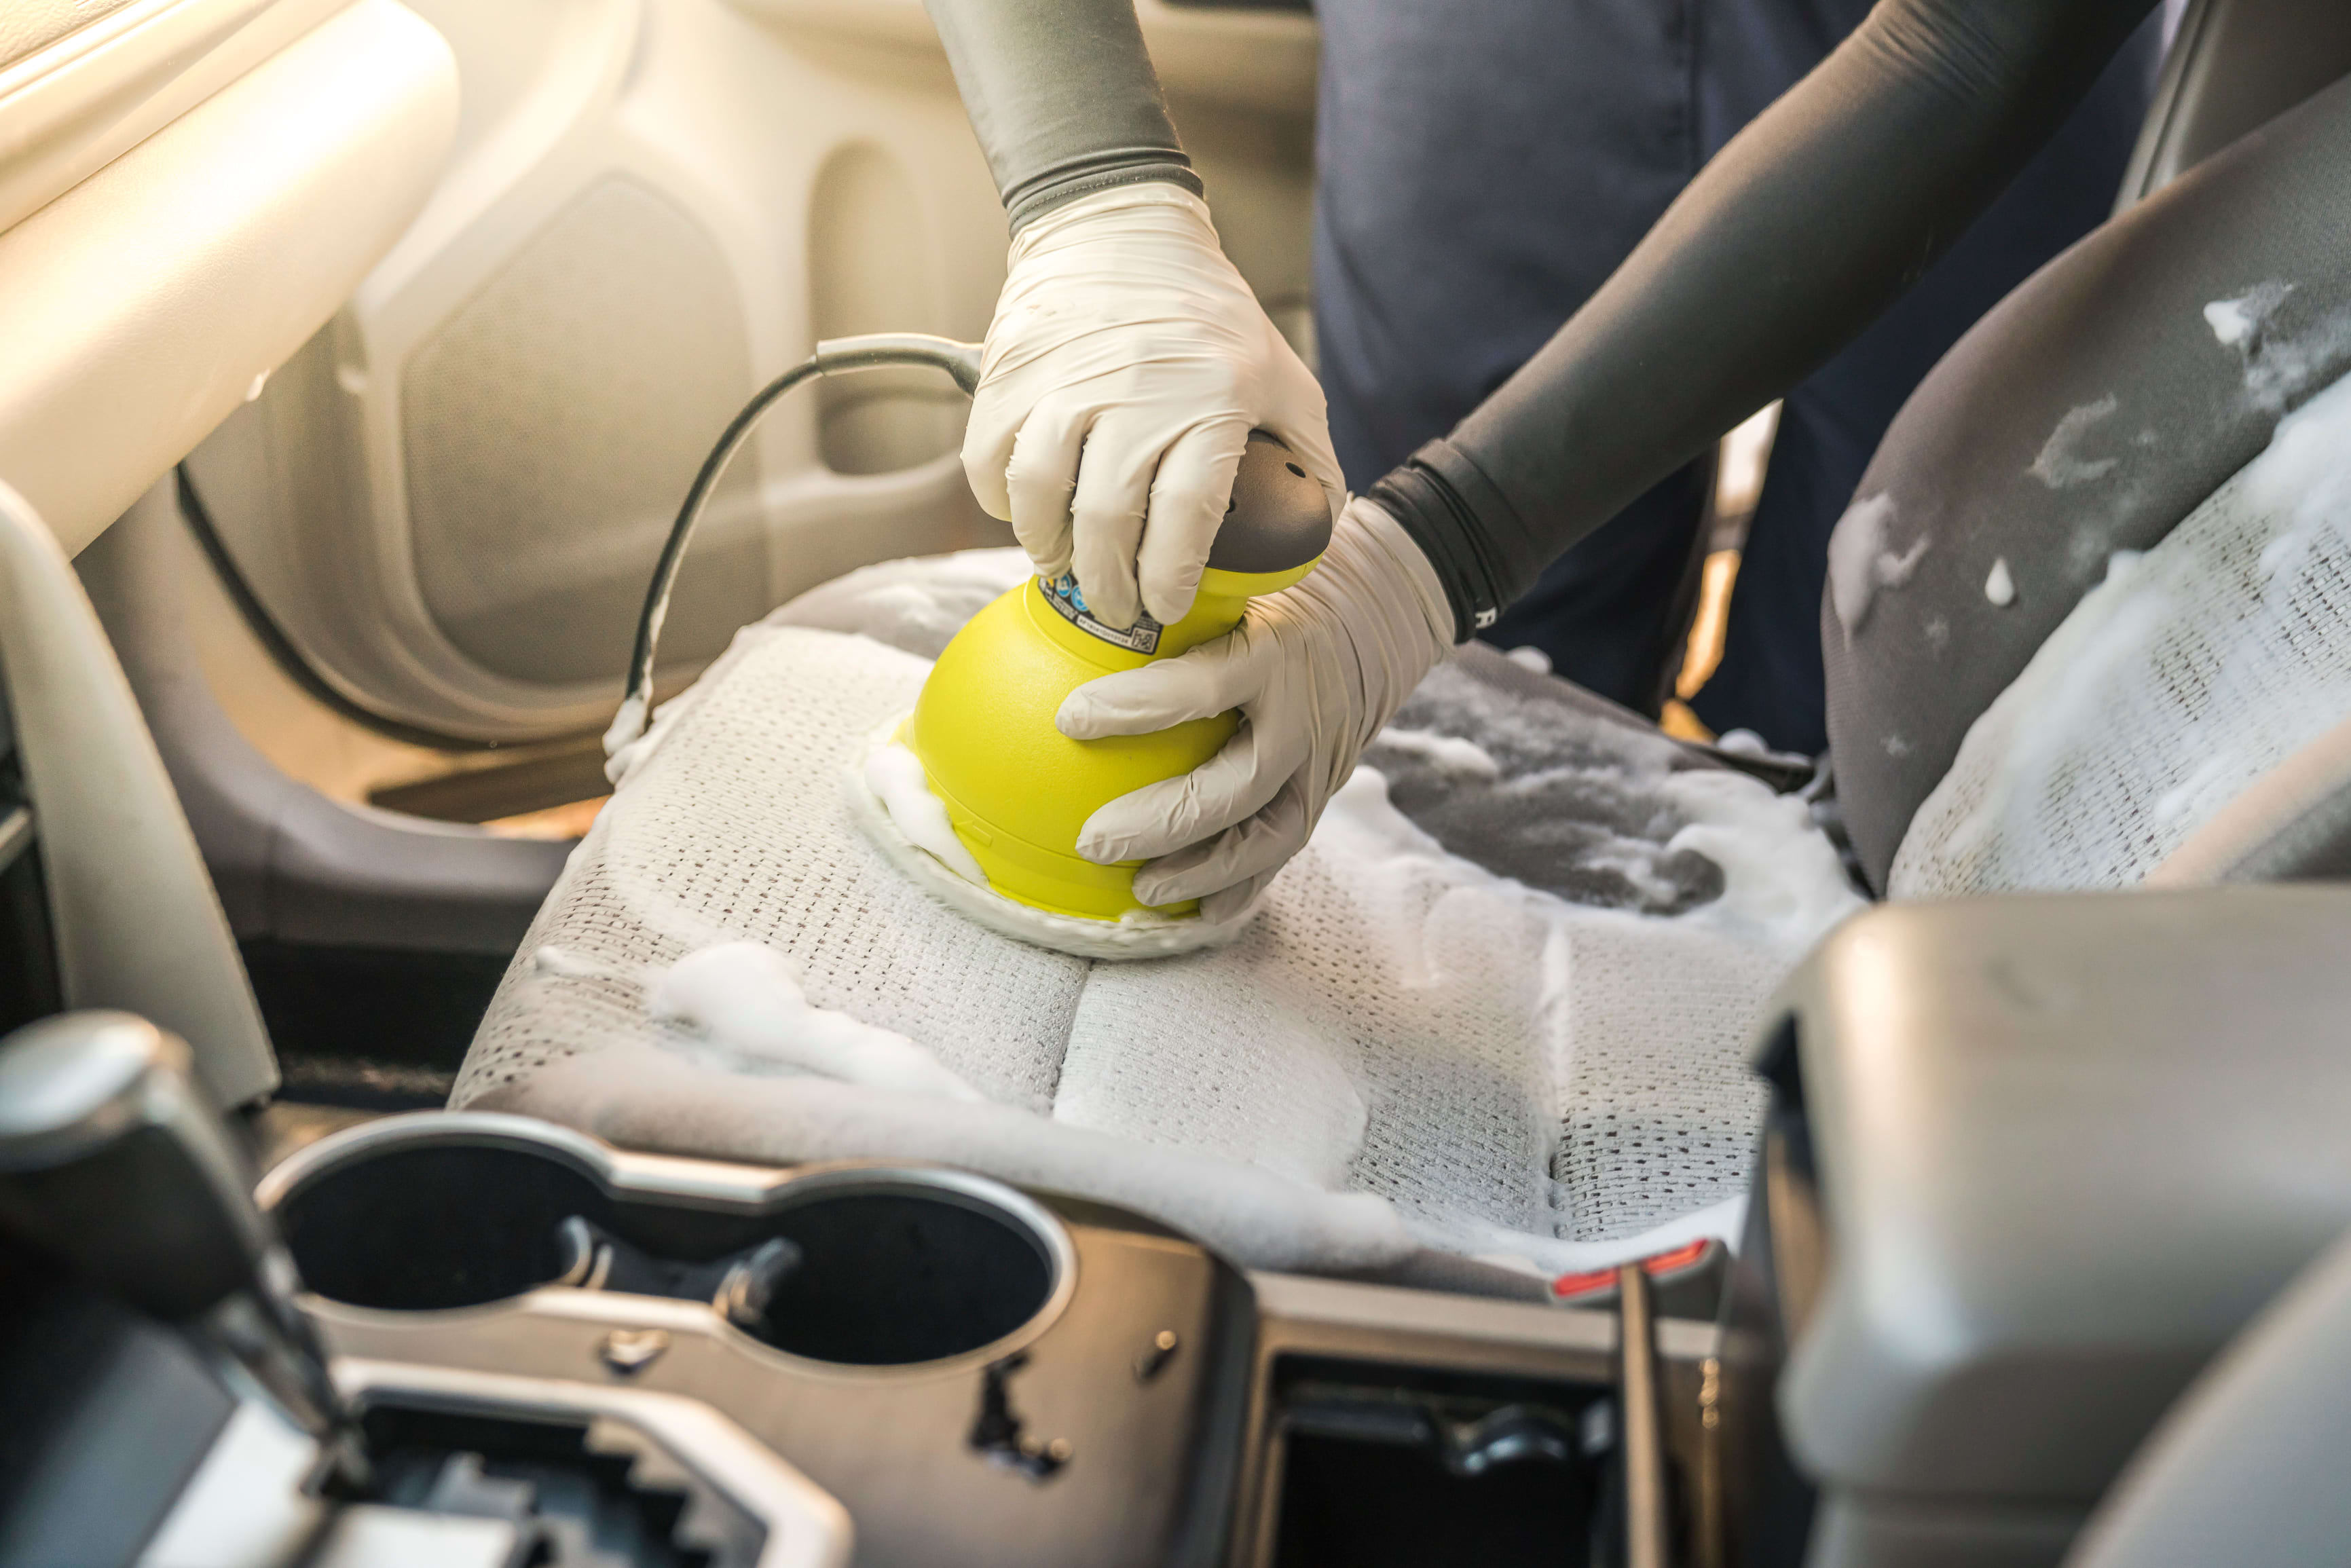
111, 1161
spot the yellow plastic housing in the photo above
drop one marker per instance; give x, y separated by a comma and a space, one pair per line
1016, 789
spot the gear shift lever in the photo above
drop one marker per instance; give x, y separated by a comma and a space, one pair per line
111, 1159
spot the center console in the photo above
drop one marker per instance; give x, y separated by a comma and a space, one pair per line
971, 1374
2028, 1166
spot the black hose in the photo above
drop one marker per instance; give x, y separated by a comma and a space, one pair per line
872, 351
961, 360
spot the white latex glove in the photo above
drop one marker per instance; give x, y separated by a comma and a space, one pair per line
1316, 671
1126, 365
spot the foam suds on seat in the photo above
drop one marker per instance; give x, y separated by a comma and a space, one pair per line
917, 605
895, 776
1861, 562
1593, 808
2191, 671
909, 825
646, 1096
744, 1003
1498, 1006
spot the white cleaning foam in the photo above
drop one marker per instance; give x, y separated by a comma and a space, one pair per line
1862, 560
895, 776
2061, 465
914, 606
1279, 1095
2193, 669
744, 1001
620, 737
2280, 364
2000, 584
1450, 753
1540, 1076
642, 1096
1530, 657
1725, 1222
550, 959
2234, 321
1139, 933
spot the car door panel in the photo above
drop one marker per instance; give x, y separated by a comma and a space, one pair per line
451, 499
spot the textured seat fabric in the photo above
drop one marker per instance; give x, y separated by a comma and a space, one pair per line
2091, 412
2192, 672
1409, 1049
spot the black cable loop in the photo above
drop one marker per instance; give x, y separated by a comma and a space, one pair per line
961, 360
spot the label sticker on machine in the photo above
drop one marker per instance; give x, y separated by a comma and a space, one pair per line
1062, 593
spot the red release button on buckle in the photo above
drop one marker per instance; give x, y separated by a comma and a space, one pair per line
1596, 1279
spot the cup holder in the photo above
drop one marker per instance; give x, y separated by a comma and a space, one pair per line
428, 1225
895, 1267
904, 1267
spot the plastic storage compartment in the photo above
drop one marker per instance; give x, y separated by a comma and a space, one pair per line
1394, 1467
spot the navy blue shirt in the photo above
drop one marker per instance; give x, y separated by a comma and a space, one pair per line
1485, 165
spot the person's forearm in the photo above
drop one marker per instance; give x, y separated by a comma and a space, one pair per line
1062, 96
1799, 234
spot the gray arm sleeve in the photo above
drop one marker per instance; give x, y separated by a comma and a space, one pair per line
1062, 97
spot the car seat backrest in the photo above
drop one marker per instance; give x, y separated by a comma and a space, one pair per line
2293, 824
2095, 407
2233, 66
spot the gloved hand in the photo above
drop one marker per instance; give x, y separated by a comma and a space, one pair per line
1316, 670
1125, 368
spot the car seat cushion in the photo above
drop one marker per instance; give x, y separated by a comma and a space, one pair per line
1406, 1048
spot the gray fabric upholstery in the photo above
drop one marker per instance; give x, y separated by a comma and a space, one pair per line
2092, 412
2294, 826
2235, 65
